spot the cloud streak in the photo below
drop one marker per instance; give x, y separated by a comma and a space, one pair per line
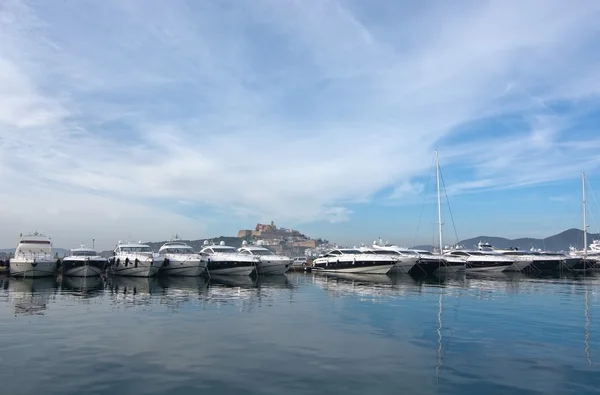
287, 110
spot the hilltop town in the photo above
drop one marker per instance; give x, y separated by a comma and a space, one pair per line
282, 241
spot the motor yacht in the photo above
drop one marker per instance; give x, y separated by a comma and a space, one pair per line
134, 259
83, 262
481, 261
525, 261
351, 260
226, 260
180, 259
268, 262
33, 257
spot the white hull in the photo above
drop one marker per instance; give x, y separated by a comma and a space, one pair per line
27, 268
184, 268
379, 269
83, 271
233, 271
271, 269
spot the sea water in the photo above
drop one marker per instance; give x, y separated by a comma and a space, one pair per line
301, 334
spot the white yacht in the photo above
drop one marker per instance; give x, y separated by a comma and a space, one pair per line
180, 259
226, 260
426, 263
481, 261
525, 261
408, 261
83, 262
33, 257
134, 259
268, 262
351, 260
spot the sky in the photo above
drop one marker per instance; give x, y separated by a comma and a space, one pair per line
141, 119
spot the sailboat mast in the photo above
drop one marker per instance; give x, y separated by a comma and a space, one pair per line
439, 200
585, 246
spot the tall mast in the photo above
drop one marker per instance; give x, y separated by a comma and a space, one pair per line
585, 246
439, 200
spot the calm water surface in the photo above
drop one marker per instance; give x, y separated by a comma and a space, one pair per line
301, 334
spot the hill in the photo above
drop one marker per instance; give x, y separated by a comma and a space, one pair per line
559, 242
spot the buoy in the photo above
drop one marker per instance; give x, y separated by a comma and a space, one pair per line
126, 262
136, 262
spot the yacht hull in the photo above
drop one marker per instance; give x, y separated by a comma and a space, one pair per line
135, 268
487, 266
190, 268
528, 266
30, 268
375, 269
272, 269
77, 268
450, 267
425, 267
230, 268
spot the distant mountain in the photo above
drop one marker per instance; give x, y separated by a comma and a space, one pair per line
558, 242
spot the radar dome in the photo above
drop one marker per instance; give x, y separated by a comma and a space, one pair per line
244, 243
205, 242
222, 243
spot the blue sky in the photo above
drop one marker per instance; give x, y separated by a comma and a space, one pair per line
143, 119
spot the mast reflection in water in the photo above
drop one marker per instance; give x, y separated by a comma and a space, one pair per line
300, 333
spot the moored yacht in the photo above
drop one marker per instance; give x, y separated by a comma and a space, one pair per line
409, 261
134, 259
351, 260
180, 259
83, 262
481, 261
268, 262
226, 260
33, 257
525, 261
426, 263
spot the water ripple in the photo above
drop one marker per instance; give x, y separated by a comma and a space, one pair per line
301, 334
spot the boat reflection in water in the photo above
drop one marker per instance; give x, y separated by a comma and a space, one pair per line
30, 296
86, 287
193, 284
233, 281
275, 281
133, 291
367, 285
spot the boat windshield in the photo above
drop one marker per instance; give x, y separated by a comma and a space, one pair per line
178, 250
84, 253
223, 249
350, 251
136, 249
261, 252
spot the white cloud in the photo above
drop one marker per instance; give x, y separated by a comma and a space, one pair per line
285, 110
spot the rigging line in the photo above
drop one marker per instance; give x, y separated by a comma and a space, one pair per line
449, 208
422, 207
568, 203
594, 198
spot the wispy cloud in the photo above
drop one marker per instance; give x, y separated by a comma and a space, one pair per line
287, 110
